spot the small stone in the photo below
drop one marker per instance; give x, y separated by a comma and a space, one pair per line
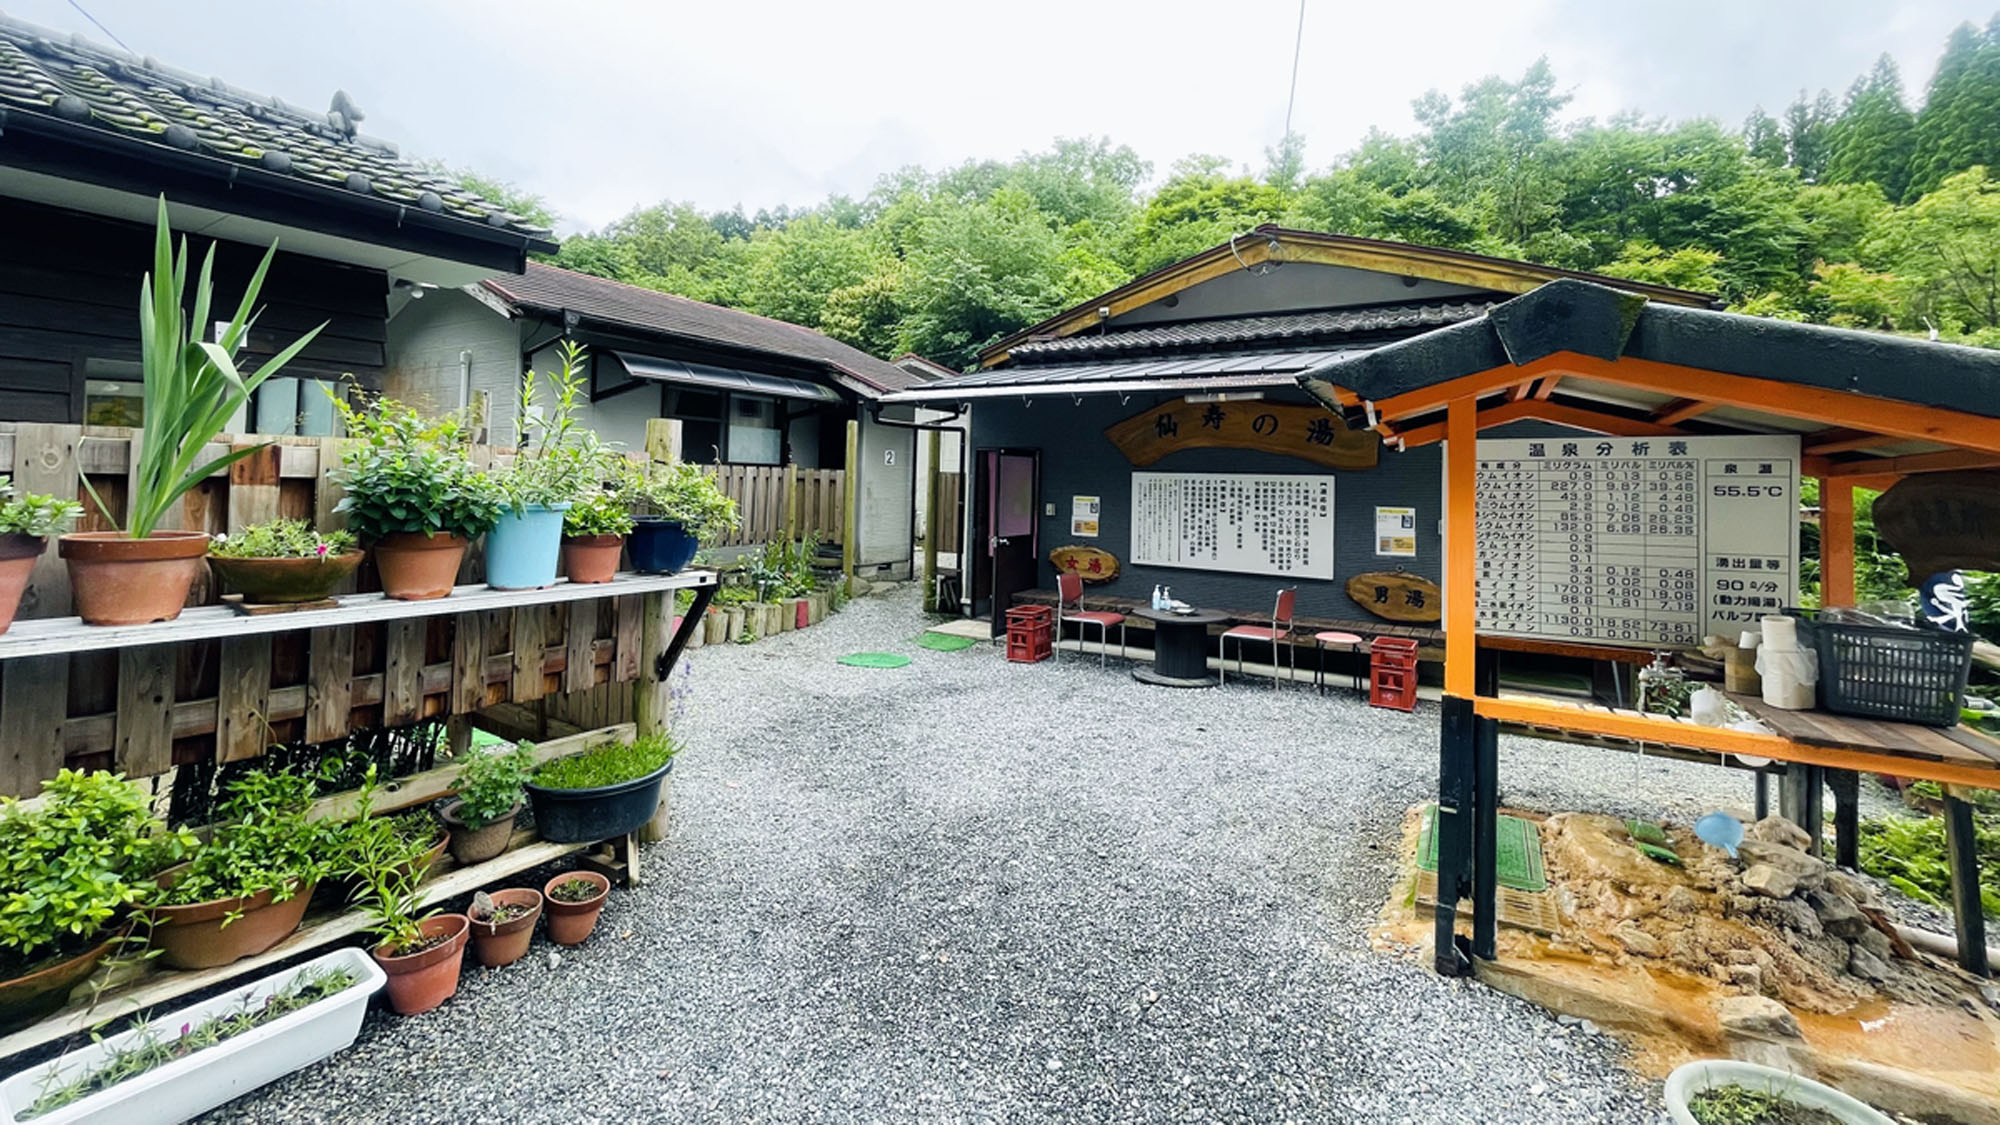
1741, 957
1769, 881
1837, 914
1778, 830
1862, 963
1854, 887
1876, 942
554, 958
1681, 900
1757, 1016
1054, 1065
1636, 940
1808, 870
1750, 978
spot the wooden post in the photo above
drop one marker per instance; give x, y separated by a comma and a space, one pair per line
663, 439
1461, 570
933, 449
791, 502
1836, 541
849, 516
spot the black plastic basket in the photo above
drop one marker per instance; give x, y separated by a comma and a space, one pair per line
1911, 674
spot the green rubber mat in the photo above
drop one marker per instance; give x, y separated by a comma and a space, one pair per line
874, 660
946, 642
1518, 854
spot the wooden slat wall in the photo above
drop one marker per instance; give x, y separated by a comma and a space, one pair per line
949, 519
145, 710
767, 496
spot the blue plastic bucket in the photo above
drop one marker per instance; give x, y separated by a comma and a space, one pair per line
660, 546
523, 549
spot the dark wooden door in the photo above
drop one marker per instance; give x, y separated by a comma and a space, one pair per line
1007, 529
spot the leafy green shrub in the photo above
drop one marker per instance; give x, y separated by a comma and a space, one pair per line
559, 460
266, 841
282, 539
601, 512
489, 784
608, 764
1909, 853
34, 513
69, 865
683, 492
405, 473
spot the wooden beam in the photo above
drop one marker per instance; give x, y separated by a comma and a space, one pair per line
1461, 571
1423, 400
850, 515
1719, 740
1547, 386
1915, 463
1524, 390
1680, 410
1839, 440
1836, 541
1561, 414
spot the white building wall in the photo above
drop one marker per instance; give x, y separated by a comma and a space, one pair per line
886, 496
449, 344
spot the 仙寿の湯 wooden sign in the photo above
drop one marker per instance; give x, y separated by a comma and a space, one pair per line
1092, 564
1397, 595
1306, 432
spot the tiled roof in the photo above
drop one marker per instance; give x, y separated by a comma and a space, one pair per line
548, 289
1210, 334
1266, 368
74, 80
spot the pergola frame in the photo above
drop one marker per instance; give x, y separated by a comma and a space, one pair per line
1454, 376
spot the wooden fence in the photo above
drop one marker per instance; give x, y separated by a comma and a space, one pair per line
947, 523
146, 708
779, 502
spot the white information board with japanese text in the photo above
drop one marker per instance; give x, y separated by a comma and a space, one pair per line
1635, 541
1244, 522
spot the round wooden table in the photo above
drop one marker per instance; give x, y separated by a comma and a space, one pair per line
1180, 648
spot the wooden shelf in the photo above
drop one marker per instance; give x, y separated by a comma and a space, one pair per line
56, 636
160, 986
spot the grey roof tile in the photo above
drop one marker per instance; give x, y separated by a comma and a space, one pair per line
1209, 334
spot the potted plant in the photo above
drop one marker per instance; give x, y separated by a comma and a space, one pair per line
192, 390
490, 791
594, 531
26, 522
246, 889
674, 509
601, 793
1728, 1092
558, 463
420, 952
574, 902
70, 867
413, 494
503, 924
283, 561
413, 839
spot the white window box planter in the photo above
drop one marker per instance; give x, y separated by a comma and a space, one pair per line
1690, 1079
190, 1086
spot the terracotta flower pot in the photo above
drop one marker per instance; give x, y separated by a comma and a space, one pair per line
118, 580
17, 560
421, 981
31, 996
507, 942
416, 567
284, 581
591, 558
477, 845
195, 937
571, 922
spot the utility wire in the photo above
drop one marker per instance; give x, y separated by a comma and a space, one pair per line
114, 36
1298, 41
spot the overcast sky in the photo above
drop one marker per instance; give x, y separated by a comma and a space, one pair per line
603, 105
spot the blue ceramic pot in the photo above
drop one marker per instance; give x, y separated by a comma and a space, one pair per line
523, 549
660, 546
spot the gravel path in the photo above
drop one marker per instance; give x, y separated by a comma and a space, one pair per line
970, 890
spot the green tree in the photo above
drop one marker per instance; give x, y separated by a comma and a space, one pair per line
1955, 127
1874, 137
1764, 137
1196, 208
793, 271
1946, 247
1808, 127
978, 271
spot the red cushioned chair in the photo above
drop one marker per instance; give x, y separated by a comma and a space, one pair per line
1069, 593
1279, 632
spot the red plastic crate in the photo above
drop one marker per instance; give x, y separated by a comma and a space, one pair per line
1392, 673
1027, 644
1030, 615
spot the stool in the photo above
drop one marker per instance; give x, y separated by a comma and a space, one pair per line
1348, 641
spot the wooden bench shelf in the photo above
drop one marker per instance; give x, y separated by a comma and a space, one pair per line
57, 636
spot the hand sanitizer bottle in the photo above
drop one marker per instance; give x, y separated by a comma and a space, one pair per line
1159, 601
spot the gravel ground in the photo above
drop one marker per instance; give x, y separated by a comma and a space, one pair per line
971, 890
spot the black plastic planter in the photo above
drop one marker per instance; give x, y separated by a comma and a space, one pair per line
585, 816
660, 546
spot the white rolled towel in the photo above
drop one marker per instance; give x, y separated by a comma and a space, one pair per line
1780, 633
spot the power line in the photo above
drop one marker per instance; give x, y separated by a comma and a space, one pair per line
114, 36
1298, 41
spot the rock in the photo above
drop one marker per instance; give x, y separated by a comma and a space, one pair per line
1750, 978
1864, 964
1757, 1016
1778, 830
1808, 870
1741, 957
1877, 943
1854, 887
1837, 914
1636, 940
1770, 881
1790, 914
1680, 900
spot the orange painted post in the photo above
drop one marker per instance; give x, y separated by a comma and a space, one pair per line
1836, 541
1460, 571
